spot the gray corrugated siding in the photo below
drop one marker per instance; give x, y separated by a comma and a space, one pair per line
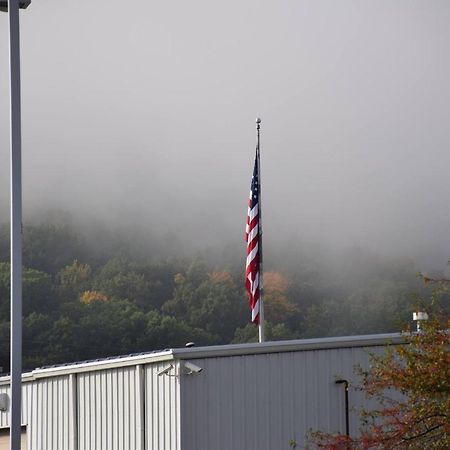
260, 402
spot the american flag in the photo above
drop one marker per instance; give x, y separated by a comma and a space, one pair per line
253, 238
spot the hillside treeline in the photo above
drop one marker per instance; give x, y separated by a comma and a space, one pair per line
85, 299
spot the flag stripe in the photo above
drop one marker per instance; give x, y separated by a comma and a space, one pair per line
253, 233
252, 237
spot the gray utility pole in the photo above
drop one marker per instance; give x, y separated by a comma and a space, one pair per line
12, 6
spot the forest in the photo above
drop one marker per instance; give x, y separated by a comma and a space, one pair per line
93, 293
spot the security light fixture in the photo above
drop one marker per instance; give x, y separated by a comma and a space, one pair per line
191, 368
165, 370
23, 4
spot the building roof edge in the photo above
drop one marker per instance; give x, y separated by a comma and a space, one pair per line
215, 351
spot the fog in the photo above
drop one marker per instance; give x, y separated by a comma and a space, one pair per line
143, 115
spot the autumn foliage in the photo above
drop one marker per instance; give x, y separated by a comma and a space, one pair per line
412, 385
131, 292
277, 304
92, 296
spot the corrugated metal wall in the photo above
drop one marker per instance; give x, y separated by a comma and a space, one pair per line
47, 408
102, 410
50, 414
260, 402
116, 406
162, 412
251, 402
108, 411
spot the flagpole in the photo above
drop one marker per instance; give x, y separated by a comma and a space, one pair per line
261, 290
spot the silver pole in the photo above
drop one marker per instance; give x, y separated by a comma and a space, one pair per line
16, 227
261, 291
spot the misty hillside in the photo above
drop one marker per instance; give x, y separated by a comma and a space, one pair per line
141, 128
92, 292
148, 119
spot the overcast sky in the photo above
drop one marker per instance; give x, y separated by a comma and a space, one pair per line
145, 111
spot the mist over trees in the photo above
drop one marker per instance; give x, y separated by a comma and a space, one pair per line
91, 292
156, 140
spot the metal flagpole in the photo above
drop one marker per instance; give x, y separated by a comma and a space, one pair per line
261, 290
16, 228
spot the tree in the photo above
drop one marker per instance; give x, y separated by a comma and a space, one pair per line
74, 279
37, 291
92, 296
411, 383
144, 284
48, 247
37, 329
277, 307
169, 332
114, 326
249, 333
211, 301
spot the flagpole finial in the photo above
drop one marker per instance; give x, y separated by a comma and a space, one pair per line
258, 121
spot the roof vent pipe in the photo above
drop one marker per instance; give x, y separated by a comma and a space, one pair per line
418, 317
347, 418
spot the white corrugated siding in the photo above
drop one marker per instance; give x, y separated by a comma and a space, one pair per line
162, 413
260, 402
102, 410
46, 412
116, 405
51, 410
108, 411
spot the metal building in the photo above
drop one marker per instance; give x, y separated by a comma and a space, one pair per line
245, 397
